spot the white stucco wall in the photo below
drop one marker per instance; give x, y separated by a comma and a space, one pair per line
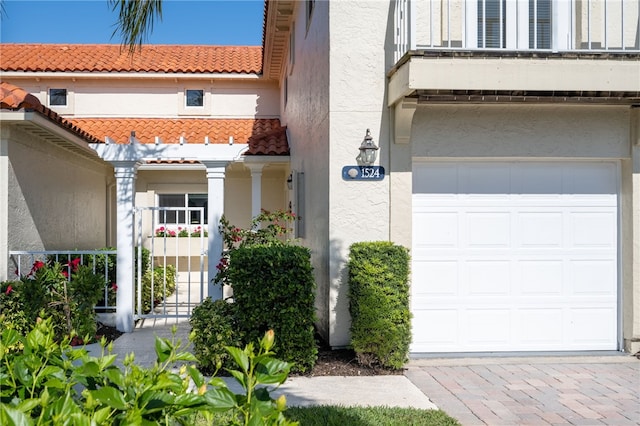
57, 199
113, 97
358, 211
306, 114
550, 131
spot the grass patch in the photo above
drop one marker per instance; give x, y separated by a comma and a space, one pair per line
329, 415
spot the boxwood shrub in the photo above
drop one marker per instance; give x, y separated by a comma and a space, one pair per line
379, 303
273, 288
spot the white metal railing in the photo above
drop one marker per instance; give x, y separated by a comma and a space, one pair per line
172, 239
101, 261
518, 25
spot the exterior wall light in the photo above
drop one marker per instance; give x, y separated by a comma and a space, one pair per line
368, 151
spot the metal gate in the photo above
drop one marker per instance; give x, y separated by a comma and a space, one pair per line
172, 279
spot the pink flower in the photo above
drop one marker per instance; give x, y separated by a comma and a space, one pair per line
114, 286
37, 265
9, 290
65, 273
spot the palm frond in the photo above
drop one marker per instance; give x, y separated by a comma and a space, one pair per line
135, 20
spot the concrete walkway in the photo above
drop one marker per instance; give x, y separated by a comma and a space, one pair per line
392, 391
568, 390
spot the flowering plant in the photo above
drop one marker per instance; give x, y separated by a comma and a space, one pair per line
266, 228
163, 231
67, 293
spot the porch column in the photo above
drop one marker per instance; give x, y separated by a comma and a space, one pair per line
125, 172
256, 188
215, 181
4, 205
631, 295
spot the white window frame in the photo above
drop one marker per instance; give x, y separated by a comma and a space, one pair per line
205, 109
187, 221
516, 16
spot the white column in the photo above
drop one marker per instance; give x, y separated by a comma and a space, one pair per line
125, 172
4, 206
215, 180
256, 188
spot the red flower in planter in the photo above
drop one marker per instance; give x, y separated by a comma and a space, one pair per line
114, 286
9, 290
65, 273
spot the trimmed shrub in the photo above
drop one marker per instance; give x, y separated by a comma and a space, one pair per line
379, 303
214, 328
274, 289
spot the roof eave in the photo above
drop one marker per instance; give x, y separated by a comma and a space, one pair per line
128, 75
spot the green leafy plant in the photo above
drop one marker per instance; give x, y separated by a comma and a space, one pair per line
273, 288
65, 293
45, 381
379, 303
214, 328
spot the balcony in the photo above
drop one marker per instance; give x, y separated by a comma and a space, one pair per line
590, 26
542, 51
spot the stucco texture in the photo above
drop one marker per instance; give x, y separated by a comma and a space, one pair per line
57, 200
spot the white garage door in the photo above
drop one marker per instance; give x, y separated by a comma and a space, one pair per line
514, 256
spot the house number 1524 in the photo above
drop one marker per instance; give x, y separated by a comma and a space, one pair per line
363, 172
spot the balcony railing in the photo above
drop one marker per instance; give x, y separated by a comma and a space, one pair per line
590, 26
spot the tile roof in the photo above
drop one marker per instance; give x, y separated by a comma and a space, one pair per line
265, 136
14, 98
114, 58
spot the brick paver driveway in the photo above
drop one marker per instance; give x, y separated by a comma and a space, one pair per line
533, 391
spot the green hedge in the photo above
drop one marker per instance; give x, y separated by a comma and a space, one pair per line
215, 328
273, 288
379, 303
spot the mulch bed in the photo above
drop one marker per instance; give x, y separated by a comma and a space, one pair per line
330, 362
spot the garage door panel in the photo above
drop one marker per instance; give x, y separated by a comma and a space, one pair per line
436, 229
592, 327
544, 277
523, 253
593, 277
435, 327
594, 228
488, 229
541, 327
437, 278
488, 327
540, 229
487, 278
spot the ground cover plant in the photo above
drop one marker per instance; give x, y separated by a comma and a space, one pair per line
328, 415
44, 381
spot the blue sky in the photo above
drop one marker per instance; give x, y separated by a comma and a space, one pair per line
215, 22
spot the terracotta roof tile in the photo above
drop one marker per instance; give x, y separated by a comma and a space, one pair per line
14, 98
265, 136
114, 58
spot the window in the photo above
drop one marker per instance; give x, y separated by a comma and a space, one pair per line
195, 98
540, 24
491, 24
503, 24
179, 217
58, 97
